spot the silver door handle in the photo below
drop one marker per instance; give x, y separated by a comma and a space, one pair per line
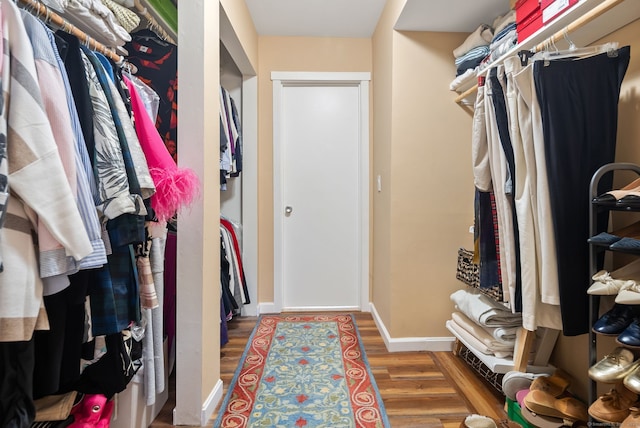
288, 210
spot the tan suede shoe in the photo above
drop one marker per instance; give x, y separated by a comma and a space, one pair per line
613, 407
633, 420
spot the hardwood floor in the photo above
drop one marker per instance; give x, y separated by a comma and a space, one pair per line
419, 389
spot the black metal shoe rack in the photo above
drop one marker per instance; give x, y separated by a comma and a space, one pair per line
595, 252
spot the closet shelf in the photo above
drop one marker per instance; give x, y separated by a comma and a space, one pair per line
584, 23
495, 364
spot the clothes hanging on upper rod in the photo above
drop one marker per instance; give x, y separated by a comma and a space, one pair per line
230, 139
61, 159
157, 63
556, 149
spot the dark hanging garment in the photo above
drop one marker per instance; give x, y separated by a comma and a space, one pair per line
16, 379
58, 351
486, 228
69, 47
157, 63
579, 106
502, 119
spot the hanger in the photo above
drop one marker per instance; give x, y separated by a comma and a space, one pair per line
609, 48
572, 52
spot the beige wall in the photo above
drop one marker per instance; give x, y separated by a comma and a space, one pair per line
422, 151
291, 54
432, 198
381, 164
571, 352
240, 19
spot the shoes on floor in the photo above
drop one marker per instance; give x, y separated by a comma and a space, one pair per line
556, 384
514, 381
611, 198
615, 320
543, 403
614, 367
614, 406
480, 421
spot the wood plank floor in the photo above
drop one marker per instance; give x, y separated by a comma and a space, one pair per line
419, 389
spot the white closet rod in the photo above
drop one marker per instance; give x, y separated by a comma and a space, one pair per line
43, 12
579, 22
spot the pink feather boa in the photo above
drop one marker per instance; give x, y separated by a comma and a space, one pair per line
175, 187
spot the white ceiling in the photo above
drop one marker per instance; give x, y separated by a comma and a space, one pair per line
358, 18
316, 18
449, 15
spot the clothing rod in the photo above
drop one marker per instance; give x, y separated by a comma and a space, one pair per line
162, 29
42, 10
560, 34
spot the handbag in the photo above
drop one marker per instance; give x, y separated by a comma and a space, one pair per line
467, 271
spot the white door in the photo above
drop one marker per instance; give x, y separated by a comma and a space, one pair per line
321, 192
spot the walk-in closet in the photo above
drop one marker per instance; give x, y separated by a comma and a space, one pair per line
167, 251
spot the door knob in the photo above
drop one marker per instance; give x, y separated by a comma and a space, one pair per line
288, 210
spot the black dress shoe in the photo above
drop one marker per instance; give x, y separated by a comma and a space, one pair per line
605, 199
629, 201
615, 320
631, 335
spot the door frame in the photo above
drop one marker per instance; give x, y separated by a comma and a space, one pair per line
280, 81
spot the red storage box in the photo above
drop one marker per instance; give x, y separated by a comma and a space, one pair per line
552, 8
530, 25
525, 8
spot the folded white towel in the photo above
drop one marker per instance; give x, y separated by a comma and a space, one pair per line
474, 342
483, 310
481, 334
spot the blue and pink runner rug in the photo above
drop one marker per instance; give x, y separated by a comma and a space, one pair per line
303, 371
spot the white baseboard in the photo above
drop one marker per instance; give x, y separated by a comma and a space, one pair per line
211, 402
407, 344
321, 309
208, 407
267, 308
250, 310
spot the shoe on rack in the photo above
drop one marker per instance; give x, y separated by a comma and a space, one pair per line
614, 366
615, 320
633, 420
624, 278
613, 407
611, 198
630, 200
631, 335
629, 294
604, 239
628, 245
632, 381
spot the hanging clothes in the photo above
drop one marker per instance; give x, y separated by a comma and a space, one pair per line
540, 288
157, 64
579, 110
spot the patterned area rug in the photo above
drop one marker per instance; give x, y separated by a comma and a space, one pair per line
303, 371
